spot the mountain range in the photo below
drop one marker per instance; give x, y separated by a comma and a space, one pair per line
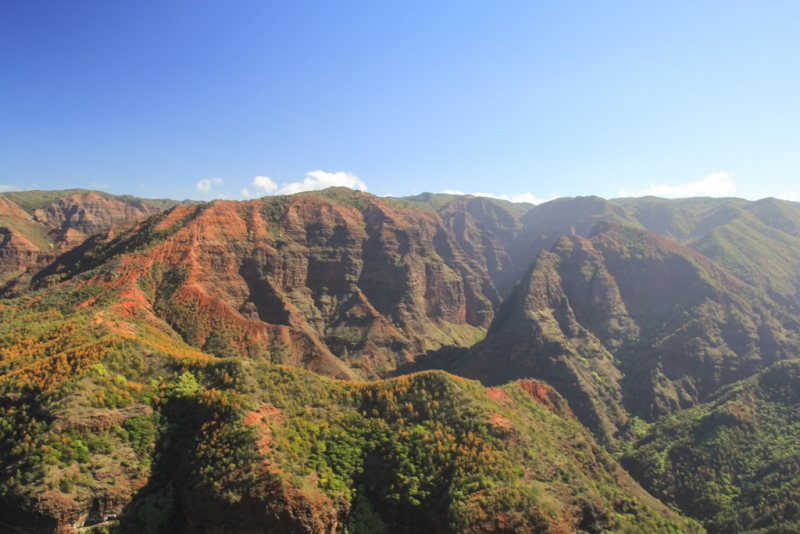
333, 361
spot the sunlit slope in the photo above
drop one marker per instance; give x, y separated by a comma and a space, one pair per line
106, 413
37, 226
758, 242
338, 282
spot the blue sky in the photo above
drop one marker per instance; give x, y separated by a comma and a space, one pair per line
530, 100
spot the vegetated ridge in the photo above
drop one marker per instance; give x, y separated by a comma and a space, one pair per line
203, 367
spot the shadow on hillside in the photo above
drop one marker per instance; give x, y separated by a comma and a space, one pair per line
66, 262
443, 358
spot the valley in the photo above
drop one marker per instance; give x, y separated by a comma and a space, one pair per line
333, 361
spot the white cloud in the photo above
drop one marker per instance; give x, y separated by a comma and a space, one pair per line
204, 185
265, 183
519, 197
314, 181
791, 195
526, 197
5, 188
100, 186
719, 184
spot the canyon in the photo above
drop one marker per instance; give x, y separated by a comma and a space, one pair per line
231, 339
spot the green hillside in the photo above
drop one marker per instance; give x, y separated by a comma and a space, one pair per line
98, 408
733, 462
758, 242
199, 370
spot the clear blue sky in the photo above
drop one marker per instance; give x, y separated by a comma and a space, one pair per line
197, 99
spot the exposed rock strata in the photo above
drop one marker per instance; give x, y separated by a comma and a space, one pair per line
346, 292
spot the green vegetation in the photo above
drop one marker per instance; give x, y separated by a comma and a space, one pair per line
143, 236
273, 207
759, 242
34, 232
426, 451
429, 442
733, 462
128, 381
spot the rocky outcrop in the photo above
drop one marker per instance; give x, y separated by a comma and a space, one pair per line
545, 394
489, 234
17, 253
30, 242
537, 335
90, 213
346, 289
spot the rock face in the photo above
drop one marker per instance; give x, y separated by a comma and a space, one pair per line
536, 335
16, 252
30, 241
345, 290
350, 285
24, 244
630, 319
507, 242
490, 234
89, 213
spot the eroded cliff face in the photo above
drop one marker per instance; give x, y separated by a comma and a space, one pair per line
506, 242
536, 335
17, 253
30, 242
24, 244
344, 290
89, 213
629, 318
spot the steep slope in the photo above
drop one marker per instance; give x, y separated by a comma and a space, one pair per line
24, 243
338, 282
682, 219
505, 237
35, 226
627, 301
536, 334
489, 232
107, 420
89, 213
549, 221
733, 462
141, 368
758, 242
762, 247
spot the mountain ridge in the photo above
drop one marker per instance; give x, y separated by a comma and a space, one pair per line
209, 317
